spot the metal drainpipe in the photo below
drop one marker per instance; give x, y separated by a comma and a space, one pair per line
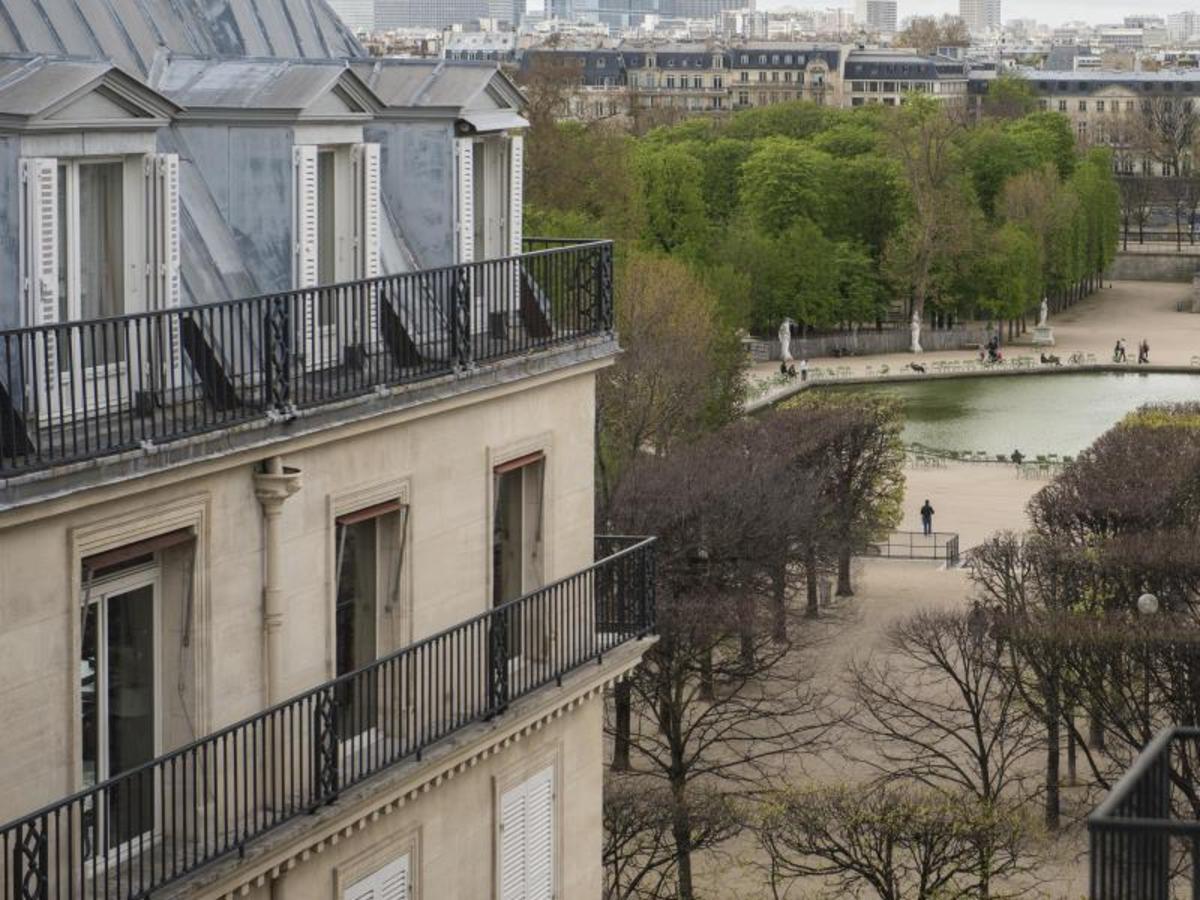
272, 486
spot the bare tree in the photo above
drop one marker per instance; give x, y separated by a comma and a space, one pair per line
639, 849
1168, 131
938, 709
866, 473
719, 700
1135, 192
904, 844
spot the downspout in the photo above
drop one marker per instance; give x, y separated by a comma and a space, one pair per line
272, 486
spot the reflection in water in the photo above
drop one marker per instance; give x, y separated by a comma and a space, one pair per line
1032, 413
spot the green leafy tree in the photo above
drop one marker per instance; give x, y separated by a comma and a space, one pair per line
1009, 97
671, 182
782, 181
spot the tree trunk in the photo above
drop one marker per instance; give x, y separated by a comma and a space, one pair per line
810, 577
779, 630
1095, 730
1072, 766
622, 714
1053, 744
844, 587
681, 830
706, 676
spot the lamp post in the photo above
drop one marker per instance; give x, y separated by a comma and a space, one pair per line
1147, 605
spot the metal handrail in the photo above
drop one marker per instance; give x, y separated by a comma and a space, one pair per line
1130, 832
75, 391
937, 545
161, 821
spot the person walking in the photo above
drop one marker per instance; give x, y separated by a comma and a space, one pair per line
927, 518
1143, 352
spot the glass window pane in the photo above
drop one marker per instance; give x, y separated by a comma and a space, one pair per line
355, 617
101, 257
130, 692
326, 225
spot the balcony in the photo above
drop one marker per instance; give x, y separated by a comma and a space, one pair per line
1145, 836
77, 391
153, 825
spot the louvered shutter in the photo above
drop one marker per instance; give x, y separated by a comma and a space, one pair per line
512, 844
164, 286
465, 149
516, 192
304, 238
39, 257
527, 839
539, 836
365, 159
392, 882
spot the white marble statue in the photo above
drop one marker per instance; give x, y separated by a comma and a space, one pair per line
785, 341
915, 330
1043, 313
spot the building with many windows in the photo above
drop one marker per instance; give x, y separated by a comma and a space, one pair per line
1107, 108
876, 16
886, 76
300, 590
980, 16
693, 78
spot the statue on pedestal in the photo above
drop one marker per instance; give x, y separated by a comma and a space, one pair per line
1043, 313
785, 341
915, 330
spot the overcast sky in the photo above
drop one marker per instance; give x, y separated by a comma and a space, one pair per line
1052, 12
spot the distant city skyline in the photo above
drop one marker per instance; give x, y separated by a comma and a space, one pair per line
1055, 13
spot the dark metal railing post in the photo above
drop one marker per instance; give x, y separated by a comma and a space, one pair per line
498, 635
325, 747
278, 338
460, 318
30, 862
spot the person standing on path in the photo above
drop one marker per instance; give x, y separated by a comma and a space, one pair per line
927, 518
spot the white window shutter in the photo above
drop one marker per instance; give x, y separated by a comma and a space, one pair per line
465, 149
539, 836
304, 238
304, 216
512, 844
392, 882
527, 839
367, 216
367, 224
39, 250
516, 192
39, 178
164, 286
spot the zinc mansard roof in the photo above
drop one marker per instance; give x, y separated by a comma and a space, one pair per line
266, 85
439, 85
129, 33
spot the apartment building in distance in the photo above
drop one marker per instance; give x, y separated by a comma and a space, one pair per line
886, 76
1105, 107
300, 589
688, 79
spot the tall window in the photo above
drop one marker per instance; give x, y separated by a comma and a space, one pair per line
118, 668
519, 497
368, 561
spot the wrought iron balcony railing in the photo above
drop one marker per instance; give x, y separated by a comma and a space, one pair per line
74, 391
148, 827
1145, 836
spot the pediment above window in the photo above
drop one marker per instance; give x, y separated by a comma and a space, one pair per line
65, 95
